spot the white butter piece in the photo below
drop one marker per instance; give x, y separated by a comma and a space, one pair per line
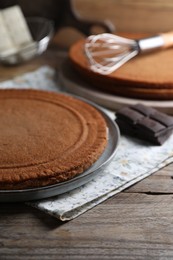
6, 42
16, 25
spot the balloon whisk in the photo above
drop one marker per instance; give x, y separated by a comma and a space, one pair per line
107, 52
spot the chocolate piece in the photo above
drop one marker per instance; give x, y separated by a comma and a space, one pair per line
145, 123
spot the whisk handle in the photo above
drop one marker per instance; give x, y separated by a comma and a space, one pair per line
168, 39
150, 44
164, 40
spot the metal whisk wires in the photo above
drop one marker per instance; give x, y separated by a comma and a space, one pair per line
107, 52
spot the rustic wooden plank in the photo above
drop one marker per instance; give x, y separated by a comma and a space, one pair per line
130, 15
127, 226
160, 182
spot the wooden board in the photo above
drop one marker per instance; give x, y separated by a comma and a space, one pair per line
128, 226
73, 83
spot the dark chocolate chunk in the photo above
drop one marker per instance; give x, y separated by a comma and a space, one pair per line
145, 123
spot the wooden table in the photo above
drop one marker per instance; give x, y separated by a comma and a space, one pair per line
135, 224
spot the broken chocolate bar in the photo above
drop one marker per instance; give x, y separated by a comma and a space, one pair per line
145, 123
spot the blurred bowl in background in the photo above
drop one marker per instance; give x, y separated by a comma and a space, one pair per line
42, 31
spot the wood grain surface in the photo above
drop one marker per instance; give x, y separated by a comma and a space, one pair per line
135, 224
130, 15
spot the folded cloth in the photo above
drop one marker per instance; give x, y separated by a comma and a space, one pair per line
133, 161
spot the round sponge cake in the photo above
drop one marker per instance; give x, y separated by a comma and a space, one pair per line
147, 76
46, 138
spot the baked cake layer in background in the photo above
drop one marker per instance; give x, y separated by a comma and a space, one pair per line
147, 76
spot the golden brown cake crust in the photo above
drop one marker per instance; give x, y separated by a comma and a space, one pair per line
145, 76
46, 138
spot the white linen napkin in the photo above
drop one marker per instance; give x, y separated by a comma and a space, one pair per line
133, 161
